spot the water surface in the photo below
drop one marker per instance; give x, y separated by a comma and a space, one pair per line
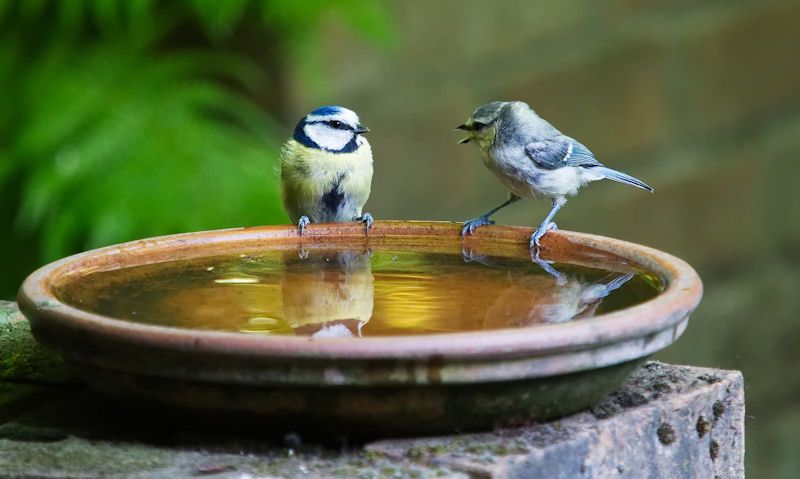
354, 292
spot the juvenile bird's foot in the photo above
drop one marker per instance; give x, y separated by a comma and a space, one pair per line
540, 231
366, 218
302, 223
471, 225
559, 277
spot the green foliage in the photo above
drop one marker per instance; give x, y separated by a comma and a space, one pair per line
140, 152
131, 118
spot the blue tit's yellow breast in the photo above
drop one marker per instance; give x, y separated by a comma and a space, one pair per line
308, 174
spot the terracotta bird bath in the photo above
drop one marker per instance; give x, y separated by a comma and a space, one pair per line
333, 345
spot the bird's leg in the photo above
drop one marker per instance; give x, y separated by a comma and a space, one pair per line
302, 223
475, 223
366, 218
548, 223
559, 277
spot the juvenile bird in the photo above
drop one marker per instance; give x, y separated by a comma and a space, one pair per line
532, 159
326, 169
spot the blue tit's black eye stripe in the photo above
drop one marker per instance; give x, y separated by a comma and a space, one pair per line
476, 125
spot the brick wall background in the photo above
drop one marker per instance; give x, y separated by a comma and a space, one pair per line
699, 99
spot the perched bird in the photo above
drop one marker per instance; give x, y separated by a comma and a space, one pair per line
326, 169
532, 159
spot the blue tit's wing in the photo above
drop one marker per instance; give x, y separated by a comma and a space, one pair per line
559, 152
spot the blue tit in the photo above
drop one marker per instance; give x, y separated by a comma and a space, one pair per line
326, 169
532, 159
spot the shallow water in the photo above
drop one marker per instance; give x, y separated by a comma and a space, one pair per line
338, 293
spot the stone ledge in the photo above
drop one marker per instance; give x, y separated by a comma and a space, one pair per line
667, 421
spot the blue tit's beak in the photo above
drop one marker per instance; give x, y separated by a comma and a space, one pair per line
361, 129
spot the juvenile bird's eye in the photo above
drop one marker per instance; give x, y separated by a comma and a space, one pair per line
476, 125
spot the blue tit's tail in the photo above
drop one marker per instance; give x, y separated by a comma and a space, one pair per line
621, 177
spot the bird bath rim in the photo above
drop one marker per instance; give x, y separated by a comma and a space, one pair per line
537, 351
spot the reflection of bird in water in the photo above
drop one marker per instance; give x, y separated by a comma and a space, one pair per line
328, 294
539, 299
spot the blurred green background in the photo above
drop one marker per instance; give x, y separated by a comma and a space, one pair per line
121, 119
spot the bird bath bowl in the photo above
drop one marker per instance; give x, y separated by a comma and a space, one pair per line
409, 331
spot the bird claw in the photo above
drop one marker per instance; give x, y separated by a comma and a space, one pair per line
367, 219
471, 225
540, 232
302, 223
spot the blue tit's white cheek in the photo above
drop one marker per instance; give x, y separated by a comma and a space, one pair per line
326, 137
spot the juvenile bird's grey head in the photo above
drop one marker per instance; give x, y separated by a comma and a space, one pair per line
330, 128
481, 126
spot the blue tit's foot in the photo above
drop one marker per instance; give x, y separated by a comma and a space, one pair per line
471, 225
559, 277
540, 231
366, 218
303, 253
302, 223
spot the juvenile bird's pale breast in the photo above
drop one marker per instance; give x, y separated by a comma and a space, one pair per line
325, 186
524, 178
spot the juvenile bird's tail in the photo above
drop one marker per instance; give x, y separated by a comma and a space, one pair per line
621, 178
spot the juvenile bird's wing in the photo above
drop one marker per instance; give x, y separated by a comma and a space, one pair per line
559, 152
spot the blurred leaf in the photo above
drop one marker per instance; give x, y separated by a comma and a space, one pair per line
219, 17
369, 18
303, 19
71, 15
107, 14
30, 9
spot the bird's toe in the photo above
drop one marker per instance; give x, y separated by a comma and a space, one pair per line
471, 225
540, 232
367, 219
301, 224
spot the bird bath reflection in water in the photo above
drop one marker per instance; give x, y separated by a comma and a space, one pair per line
355, 292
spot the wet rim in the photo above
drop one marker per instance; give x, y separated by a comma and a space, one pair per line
667, 310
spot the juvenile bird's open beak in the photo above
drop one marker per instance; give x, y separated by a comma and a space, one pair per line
464, 127
360, 129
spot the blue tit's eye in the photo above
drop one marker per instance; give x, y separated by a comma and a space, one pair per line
336, 124
476, 125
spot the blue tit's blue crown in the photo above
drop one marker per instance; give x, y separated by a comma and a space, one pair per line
327, 110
